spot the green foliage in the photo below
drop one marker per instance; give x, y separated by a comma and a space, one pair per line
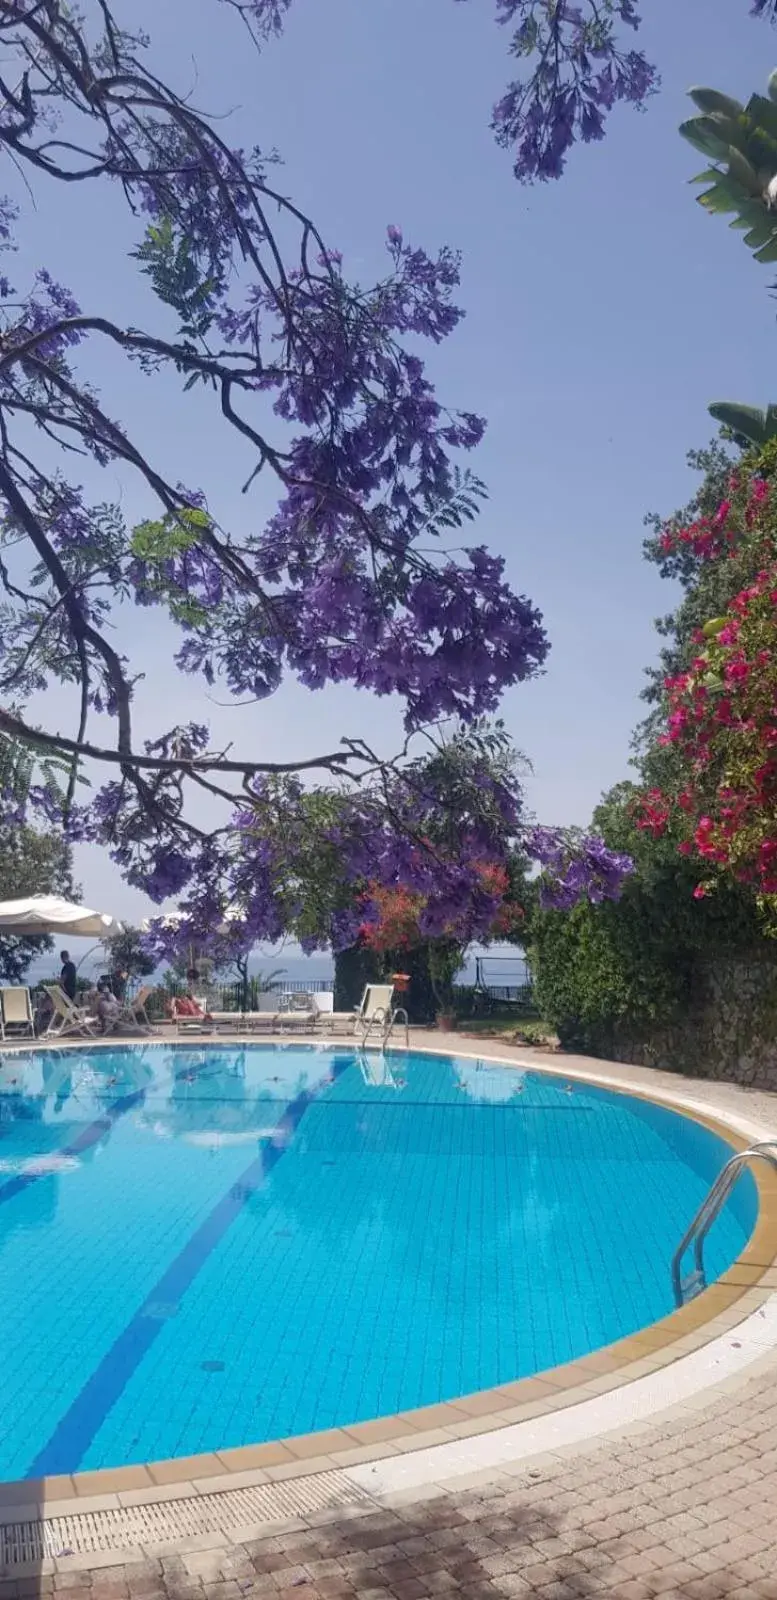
166, 258
462, 506
156, 542
632, 960
125, 953
159, 544
747, 423
353, 969
742, 142
30, 863
741, 183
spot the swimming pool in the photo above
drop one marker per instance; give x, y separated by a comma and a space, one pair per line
203, 1248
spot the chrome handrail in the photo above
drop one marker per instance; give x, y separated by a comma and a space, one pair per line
377, 1020
709, 1210
384, 1020
393, 1019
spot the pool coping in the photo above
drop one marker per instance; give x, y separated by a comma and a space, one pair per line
743, 1290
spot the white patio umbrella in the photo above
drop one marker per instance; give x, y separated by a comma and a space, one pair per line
46, 913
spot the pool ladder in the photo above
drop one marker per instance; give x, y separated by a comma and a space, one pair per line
685, 1288
381, 1026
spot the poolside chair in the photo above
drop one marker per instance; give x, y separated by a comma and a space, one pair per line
342, 1021
300, 1016
245, 1021
323, 1006
374, 1015
16, 1014
67, 1017
133, 1012
186, 1021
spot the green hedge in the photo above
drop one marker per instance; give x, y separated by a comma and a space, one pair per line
632, 961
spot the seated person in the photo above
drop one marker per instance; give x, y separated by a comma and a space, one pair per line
102, 1004
185, 1006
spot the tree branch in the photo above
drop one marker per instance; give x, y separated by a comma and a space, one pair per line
14, 728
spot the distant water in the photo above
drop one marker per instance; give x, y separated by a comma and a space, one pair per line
500, 969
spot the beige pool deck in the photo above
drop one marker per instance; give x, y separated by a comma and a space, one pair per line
647, 1468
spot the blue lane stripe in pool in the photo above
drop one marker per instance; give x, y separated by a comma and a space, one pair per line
84, 1140
74, 1433
88, 1136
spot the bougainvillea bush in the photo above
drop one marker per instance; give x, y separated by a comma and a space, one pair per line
721, 707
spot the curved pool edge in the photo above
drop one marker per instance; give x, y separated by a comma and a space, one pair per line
742, 1291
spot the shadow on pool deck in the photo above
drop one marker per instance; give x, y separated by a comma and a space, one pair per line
562, 1535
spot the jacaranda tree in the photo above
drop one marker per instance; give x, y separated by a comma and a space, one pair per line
348, 581
579, 63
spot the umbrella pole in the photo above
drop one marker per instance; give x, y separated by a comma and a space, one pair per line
89, 952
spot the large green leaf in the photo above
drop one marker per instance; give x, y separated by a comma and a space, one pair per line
725, 195
741, 170
763, 113
712, 100
760, 234
704, 133
749, 422
768, 252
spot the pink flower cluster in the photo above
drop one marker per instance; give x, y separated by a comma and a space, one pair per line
709, 538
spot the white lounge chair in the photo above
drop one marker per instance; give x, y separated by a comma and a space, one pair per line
16, 1014
133, 1012
186, 1022
241, 1021
67, 1017
323, 1005
340, 1021
374, 1015
301, 1016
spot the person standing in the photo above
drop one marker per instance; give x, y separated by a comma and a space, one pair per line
67, 976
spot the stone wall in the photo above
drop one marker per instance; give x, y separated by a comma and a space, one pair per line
728, 1029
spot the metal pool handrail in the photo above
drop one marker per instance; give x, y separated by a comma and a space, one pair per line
382, 1022
709, 1209
392, 1021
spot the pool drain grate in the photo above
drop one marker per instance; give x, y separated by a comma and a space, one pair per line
127, 1527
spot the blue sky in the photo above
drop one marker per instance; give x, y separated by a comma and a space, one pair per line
603, 313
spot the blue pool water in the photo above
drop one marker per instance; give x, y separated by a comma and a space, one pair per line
203, 1248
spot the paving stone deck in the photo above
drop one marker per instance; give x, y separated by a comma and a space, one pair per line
681, 1511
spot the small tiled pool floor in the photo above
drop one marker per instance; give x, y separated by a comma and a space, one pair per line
255, 1244
682, 1506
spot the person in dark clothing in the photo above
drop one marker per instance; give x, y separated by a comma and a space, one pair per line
67, 976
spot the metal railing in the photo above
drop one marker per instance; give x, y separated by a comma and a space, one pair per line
381, 1024
239, 997
392, 1022
710, 1208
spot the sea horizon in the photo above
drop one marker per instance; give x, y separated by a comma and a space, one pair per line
502, 967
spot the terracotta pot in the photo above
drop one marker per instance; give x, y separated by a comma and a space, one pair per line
446, 1021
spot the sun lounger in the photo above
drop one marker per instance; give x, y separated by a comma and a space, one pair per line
191, 1022
16, 1019
377, 1014
133, 1013
241, 1021
297, 1021
67, 1017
